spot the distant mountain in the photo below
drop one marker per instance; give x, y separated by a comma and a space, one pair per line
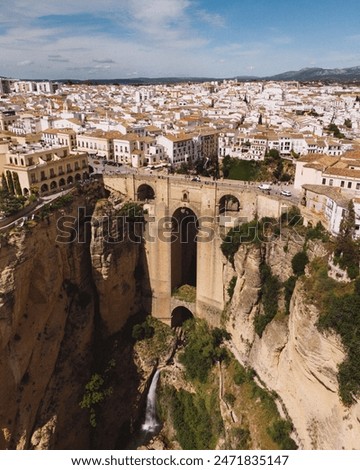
318, 74
141, 80
303, 75
349, 74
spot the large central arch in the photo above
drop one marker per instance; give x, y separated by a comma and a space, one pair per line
184, 248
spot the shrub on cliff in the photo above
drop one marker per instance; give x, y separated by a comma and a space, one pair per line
203, 349
343, 316
299, 262
269, 296
142, 331
253, 232
279, 432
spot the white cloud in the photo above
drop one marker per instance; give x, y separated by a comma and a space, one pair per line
24, 63
104, 61
213, 19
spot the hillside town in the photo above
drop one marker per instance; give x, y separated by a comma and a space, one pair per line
53, 135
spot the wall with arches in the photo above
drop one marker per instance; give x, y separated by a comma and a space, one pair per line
204, 200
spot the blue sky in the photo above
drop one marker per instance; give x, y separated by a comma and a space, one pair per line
134, 38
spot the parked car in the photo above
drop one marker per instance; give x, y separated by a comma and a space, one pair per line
264, 187
283, 192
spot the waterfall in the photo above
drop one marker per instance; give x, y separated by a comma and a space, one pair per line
151, 423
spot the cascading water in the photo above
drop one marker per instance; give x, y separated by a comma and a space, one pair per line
151, 424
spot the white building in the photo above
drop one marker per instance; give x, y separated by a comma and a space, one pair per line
328, 206
46, 168
341, 172
181, 148
45, 87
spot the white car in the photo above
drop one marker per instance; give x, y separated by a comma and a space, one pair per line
283, 192
264, 187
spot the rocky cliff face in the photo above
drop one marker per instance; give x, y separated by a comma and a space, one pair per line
49, 317
292, 357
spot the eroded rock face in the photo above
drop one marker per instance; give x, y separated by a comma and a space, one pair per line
50, 293
45, 334
114, 268
293, 357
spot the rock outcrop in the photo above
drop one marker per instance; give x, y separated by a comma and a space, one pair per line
50, 320
46, 326
292, 357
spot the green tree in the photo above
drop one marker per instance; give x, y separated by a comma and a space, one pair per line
95, 393
279, 432
9, 204
269, 297
226, 165
17, 186
10, 182
347, 225
298, 263
273, 155
335, 130
278, 170
346, 253
4, 184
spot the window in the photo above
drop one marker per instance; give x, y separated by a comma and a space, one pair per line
349, 184
357, 186
324, 181
331, 182
342, 184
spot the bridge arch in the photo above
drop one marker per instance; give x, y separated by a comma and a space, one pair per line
145, 192
185, 228
179, 315
229, 203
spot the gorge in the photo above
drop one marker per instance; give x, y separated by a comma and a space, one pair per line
73, 373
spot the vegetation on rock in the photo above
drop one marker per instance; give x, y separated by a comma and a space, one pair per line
197, 423
347, 253
270, 290
203, 349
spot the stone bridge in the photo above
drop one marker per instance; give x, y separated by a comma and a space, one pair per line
183, 235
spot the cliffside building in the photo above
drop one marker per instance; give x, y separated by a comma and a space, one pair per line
45, 168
